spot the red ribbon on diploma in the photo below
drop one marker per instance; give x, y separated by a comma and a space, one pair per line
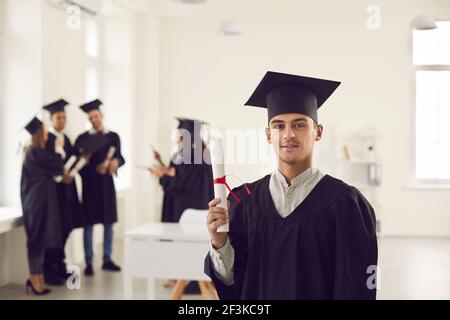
223, 180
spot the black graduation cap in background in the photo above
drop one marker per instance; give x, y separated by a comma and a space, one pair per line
92, 143
56, 106
189, 124
284, 93
34, 125
92, 105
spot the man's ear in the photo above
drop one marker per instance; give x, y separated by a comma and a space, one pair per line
319, 132
269, 139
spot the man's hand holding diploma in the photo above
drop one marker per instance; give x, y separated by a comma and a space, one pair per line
217, 217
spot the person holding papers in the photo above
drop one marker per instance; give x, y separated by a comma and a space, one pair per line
301, 234
55, 272
187, 181
41, 215
99, 194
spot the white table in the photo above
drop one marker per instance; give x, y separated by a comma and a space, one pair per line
10, 218
164, 251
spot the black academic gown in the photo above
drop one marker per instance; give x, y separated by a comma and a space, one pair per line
39, 200
69, 204
191, 188
322, 250
99, 193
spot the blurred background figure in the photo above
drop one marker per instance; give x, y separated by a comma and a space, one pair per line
99, 193
41, 215
55, 272
188, 181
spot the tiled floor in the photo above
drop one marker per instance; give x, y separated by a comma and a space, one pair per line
411, 268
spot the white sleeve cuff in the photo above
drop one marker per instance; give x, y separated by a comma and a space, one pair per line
223, 262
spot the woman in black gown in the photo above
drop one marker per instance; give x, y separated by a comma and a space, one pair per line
188, 180
39, 203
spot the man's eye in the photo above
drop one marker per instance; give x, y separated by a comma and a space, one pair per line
299, 125
278, 126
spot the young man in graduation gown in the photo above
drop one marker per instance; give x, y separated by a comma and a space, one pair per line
301, 234
55, 272
99, 194
187, 182
41, 216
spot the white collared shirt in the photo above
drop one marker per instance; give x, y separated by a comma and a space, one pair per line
58, 149
93, 131
286, 198
58, 135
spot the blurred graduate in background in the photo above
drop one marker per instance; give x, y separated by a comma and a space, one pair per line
188, 180
41, 215
99, 193
55, 272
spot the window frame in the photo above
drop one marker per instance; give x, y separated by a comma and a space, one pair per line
94, 62
438, 183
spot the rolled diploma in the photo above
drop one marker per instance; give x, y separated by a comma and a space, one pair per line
218, 168
67, 167
70, 163
80, 164
109, 156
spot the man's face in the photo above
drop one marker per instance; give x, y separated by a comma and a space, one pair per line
96, 119
59, 120
293, 136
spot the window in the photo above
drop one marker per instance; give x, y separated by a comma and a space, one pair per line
93, 59
431, 59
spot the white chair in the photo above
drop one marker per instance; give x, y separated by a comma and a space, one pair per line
193, 217
198, 218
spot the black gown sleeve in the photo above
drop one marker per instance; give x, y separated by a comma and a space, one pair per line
89, 169
238, 240
76, 145
183, 175
118, 154
44, 162
356, 247
69, 148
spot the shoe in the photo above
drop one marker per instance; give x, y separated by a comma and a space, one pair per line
89, 271
111, 266
29, 286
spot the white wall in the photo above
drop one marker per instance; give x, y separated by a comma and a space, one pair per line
207, 76
21, 98
146, 119
64, 66
22, 85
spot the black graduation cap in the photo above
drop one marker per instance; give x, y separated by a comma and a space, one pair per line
190, 124
92, 143
56, 106
34, 125
92, 105
287, 93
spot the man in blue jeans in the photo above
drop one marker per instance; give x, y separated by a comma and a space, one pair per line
99, 194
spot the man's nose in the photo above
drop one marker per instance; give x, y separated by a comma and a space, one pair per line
289, 133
